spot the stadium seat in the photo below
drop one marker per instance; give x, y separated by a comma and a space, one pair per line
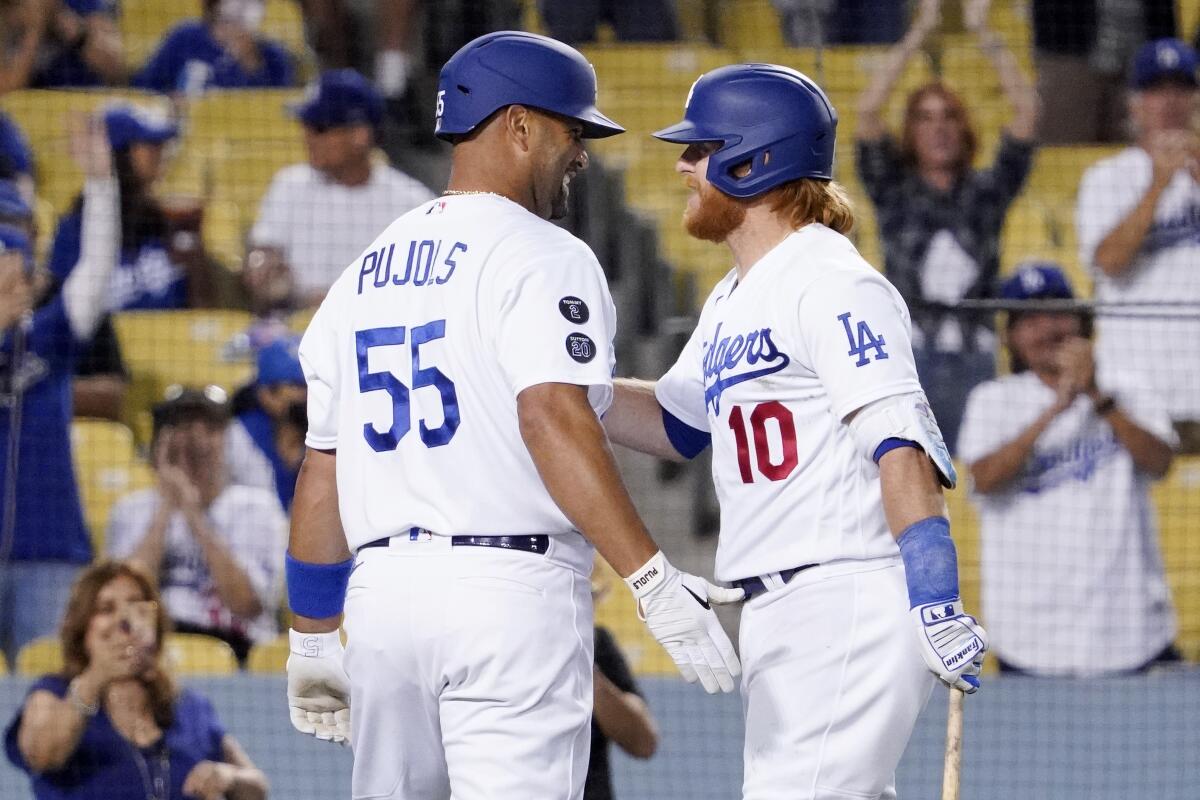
748, 24
1177, 500
197, 654
269, 657
3, 665
39, 657
1057, 171
107, 468
195, 348
43, 116
616, 611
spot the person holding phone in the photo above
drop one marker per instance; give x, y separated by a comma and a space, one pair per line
112, 723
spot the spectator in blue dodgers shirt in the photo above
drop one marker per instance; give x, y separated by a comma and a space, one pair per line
265, 442
939, 217
112, 725
1061, 468
215, 549
1138, 219
162, 263
318, 217
41, 335
82, 46
221, 50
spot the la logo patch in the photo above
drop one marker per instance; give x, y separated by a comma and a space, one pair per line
862, 340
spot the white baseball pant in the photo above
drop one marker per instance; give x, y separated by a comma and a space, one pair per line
470, 670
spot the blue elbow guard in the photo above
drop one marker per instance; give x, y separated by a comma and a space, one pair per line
930, 562
317, 591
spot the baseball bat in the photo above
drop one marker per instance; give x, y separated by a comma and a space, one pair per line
953, 762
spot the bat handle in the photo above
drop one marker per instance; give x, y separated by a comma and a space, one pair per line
953, 763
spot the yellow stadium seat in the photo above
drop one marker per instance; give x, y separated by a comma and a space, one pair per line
1177, 500
244, 115
194, 348
197, 654
107, 467
615, 610
1057, 171
3, 665
269, 657
285, 24
143, 24
40, 656
750, 23
43, 115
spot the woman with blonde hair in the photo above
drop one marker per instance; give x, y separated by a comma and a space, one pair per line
112, 724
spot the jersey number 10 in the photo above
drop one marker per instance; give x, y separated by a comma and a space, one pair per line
771, 470
421, 377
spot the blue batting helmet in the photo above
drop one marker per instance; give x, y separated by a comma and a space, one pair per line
773, 117
515, 68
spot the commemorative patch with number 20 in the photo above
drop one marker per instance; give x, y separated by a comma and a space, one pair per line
581, 348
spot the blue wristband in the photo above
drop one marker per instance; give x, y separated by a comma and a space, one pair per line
317, 591
930, 562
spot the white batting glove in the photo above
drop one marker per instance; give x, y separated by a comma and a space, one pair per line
953, 644
677, 608
318, 690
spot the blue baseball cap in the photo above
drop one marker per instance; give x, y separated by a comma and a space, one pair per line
339, 97
1037, 280
85, 7
130, 125
279, 362
12, 204
1163, 60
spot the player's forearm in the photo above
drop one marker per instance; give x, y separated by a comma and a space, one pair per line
996, 470
583, 478
316, 533
624, 718
1116, 251
911, 491
634, 419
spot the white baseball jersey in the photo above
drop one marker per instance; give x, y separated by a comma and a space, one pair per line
775, 365
1166, 269
415, 359
1072, 578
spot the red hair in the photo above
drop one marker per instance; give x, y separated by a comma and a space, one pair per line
958, 111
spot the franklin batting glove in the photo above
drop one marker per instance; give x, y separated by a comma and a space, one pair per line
318, 690
677, 608
953, 644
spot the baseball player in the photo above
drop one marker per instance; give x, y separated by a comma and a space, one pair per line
455, 373
826, 458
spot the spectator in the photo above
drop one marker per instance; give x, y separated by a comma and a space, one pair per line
216, 549
47, 541
316, 218
16, 159
265, 443
112, 723
101, 379
1080, 50
618, 714
221, 50
1138, 219
1061, 469
162, 260
23, 25
939, 218
82, 46
808, 23
575, 21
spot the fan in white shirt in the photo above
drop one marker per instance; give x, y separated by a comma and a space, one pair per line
317, 217
1061, 472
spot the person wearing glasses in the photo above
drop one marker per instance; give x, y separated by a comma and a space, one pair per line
215, 548
317, 217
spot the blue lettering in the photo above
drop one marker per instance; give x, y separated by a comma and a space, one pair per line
866, 340
408, 266
381, 276
450, 262
725, 354
424, 262
364, 270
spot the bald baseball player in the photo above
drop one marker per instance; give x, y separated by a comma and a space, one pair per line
457, 467
828, 463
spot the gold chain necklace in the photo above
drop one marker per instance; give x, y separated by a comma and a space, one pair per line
462, 192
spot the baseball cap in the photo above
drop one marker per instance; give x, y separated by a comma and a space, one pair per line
129, 124
1037, 280
182, 404
339, 97
1161, 60
279, 362
12, 203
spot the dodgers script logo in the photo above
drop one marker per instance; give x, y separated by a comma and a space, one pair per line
726, 354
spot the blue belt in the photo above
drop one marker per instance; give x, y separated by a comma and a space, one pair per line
537, 543
753, 586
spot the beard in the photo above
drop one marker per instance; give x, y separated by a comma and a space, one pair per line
716, 216
562, 200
